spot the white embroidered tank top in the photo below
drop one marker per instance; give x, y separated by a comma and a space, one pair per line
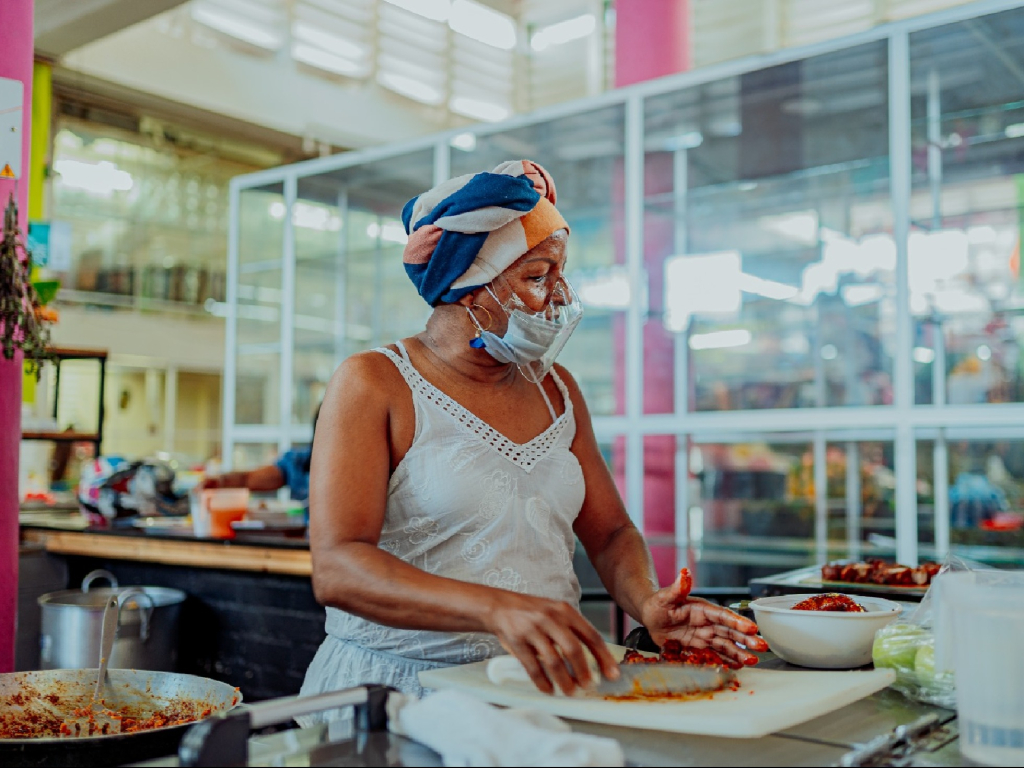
467, 503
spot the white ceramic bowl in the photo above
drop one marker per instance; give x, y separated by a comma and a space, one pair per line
822, 639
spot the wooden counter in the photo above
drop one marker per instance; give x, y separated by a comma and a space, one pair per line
289, 561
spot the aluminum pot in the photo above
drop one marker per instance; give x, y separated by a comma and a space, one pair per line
147, 637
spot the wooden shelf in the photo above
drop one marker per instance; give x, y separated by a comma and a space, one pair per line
62, 437
71, 353
198, 554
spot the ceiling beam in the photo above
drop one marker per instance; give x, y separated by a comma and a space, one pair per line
270, 91
62, 25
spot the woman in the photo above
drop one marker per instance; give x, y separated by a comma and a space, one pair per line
453, 470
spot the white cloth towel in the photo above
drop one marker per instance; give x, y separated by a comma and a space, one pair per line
468, 732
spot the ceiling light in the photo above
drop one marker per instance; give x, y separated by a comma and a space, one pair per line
720, 339
604, 289
435, 10
704, 284
857, 295
321, 59
923, 355
688, 140
464, 141
479, 110
563, 32
770, 289
237, 27
411, 88
1014, 131
829, 352
482, 24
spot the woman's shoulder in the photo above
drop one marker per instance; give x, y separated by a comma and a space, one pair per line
369, 373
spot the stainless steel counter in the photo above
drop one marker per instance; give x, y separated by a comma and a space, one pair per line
820, 742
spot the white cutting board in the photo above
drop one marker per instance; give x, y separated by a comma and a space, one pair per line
767, 700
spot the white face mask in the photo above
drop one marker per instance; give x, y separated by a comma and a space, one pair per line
533, 339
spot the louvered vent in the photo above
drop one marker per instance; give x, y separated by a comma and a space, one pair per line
334, 36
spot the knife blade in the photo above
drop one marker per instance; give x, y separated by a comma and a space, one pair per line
664, 679
652, 679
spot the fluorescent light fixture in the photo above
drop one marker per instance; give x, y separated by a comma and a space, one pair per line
103, 178
801, 226
720, 339
411, 88
981, 235
464, 141
483, 24
479, 110
923, 355
701, 284
1014, 131
333, 44
321, 59
770, 289
795, 344
563, 32
936, 257
857, 295
390, 232
435, 10
606, 289
237, 27
688, 140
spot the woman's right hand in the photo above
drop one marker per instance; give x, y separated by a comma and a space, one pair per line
551, 639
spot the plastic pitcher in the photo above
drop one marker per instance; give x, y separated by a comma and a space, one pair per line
225, 506
987, 612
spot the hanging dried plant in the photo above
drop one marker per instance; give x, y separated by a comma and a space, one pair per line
20, 325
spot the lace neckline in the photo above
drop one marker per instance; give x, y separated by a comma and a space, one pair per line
524, 455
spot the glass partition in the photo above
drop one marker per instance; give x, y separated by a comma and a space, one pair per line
967, 102
768, 251
584, 153
258, 311
794, 398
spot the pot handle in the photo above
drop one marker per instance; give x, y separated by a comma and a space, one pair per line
99, 573
138, 594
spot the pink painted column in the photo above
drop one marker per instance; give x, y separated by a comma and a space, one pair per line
15, 64
652, 40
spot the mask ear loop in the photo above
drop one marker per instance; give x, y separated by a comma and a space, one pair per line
477, 341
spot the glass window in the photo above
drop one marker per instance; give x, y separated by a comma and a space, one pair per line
861, 500
584, 154
148, 220
258, 347
964, 248
767, 239
986, 500
751, 510
380, 302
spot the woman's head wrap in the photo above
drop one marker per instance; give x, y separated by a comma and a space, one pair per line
465, 232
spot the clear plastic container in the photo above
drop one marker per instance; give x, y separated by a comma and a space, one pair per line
986, 612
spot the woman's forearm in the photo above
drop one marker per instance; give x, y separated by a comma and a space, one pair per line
627, 570
362, 579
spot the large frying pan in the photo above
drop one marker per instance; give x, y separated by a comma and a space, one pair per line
44, 698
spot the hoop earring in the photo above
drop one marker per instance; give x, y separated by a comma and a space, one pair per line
477, 341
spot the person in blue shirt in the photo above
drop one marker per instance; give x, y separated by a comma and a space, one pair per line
291, 469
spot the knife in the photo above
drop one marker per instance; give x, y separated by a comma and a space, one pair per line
653, 679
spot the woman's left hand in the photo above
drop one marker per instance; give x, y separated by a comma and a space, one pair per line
672, 613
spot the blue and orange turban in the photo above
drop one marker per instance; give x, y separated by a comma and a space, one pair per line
465, 232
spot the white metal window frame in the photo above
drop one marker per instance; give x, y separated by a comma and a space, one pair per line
903, 422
